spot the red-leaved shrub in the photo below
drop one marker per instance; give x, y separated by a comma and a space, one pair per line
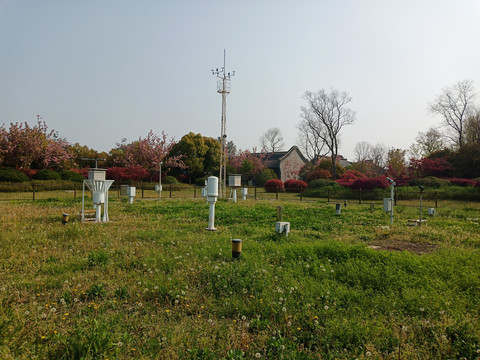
352, 175
135, 173
319, 173
29, 172
293, 185
370, 183
273, 185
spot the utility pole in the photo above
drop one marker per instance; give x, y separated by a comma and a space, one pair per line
223, 87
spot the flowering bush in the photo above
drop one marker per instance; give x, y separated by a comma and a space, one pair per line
127, 173
292, 185
273, 185
370, 183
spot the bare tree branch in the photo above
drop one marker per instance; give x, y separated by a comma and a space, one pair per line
324, 117
272, 140
454, 104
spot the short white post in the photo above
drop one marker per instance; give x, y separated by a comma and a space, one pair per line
212, 194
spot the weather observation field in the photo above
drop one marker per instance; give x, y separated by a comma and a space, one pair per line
154, 284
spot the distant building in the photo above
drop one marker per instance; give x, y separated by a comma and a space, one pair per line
286, 164
340, 160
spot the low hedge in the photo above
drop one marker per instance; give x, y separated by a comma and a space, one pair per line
71, 175
321, 183
12, 175
430, 182
47, 174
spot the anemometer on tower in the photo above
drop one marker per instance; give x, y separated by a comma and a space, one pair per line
223, 87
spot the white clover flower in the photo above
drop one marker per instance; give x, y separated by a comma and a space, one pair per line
257, 355
244, 318
326, 307
53, 310
368, 353
284, 309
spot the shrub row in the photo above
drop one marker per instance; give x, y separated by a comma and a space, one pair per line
291, 185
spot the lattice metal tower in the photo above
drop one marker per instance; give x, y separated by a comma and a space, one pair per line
223, 87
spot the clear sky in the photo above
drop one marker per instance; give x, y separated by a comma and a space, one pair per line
98, 71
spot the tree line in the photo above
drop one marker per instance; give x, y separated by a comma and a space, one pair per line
451, 149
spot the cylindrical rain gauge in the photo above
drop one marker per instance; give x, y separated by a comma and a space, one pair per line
236, 248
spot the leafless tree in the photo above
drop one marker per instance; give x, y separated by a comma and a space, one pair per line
379, 156
272, 140
324, 117
311, 145
372, 157
454, 105
363, 151
426, 143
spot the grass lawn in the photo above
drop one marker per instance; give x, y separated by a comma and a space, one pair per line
154, 284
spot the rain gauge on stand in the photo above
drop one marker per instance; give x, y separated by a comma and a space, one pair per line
97, 184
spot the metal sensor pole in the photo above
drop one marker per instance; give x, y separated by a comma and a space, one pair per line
223, 87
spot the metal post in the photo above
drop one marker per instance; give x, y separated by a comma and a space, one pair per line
255, 193
142, 189
83, 201
160, 182
74, 191
420, 223
279, 213
392, 189
170, 191
33, 190
194, 191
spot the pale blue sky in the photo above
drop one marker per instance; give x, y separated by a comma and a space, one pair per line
99, 71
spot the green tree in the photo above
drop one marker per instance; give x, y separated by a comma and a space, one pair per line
472, 129
200, 154
396, 163
80, 152
466, 161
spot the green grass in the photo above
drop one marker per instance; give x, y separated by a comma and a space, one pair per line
154, 284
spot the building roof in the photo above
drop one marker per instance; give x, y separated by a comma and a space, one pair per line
274, 158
